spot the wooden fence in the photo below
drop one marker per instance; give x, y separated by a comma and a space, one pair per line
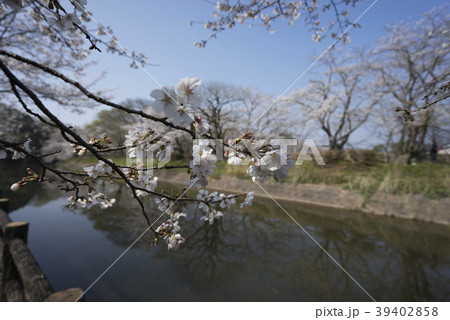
21, 277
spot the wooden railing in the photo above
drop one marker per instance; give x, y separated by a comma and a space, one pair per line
21, 277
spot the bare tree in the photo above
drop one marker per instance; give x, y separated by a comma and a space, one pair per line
263, 115
340, 100
413, 63
233, 111
219, 106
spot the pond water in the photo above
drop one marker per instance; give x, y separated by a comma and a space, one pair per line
251, 254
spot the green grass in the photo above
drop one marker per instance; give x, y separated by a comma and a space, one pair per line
429, 179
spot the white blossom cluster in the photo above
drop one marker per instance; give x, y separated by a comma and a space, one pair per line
15, 154
270, 165
267, 161
92, 199
79, 150
101, 167
236, 158
62, 20
163, 204
202, 164
100, 143
66, 21
212, 213
248, 199
229, 13
141, 179
211, 200
169, 230
177, 105
146, 139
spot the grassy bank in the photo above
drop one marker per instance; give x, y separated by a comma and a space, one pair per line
431, 180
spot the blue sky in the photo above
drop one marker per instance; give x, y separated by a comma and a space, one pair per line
242, 56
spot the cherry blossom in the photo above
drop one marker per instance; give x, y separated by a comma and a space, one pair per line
248, 200
200, 127
164, 153
163, 204
79, 151
207, 197
169, 231
174, 240
186, 88
227, 201
270, 165
176, 105
65, 22
209, 200
180, 113
165, 99
144, 139
101, 167
235, 158
144, 180
204, 162
18, 155
99, 198
211, 215
14, 153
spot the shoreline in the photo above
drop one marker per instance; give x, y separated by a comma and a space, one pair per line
328, 197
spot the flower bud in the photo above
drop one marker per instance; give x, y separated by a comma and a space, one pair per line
15, 186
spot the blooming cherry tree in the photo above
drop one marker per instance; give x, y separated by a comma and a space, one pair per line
173, 109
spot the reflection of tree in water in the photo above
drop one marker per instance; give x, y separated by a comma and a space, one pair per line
211, 253
229, 248
389, 273
261, 248
123, 222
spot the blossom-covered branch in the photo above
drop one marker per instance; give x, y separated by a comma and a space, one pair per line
228, 13
174, 108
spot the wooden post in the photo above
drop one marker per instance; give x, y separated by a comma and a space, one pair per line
11, 287
36, 286
21, 269
17, 229
68, 295
14, 291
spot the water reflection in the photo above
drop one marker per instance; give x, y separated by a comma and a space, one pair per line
259, 254
265, 256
